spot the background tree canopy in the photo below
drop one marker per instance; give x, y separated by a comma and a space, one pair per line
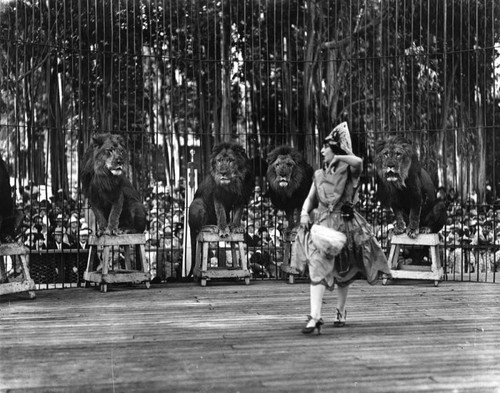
179, 76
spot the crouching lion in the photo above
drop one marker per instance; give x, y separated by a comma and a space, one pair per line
114, 201
407, 188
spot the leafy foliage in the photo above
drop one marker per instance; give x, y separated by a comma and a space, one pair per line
187, 74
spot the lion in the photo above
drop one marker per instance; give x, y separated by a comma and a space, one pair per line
407, 188
10, 218
7, 212
290, 178
114, 201
225, 191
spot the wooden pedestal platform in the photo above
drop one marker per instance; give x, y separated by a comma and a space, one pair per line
203, 271
416, 272
106, 276
287, 270
20, 252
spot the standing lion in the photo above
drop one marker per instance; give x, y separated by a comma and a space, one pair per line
407, 188
114, 201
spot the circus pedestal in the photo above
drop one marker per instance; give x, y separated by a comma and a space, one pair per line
434, 272
205, 270
105, 276
20, 256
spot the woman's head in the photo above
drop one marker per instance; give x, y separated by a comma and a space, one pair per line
328, 151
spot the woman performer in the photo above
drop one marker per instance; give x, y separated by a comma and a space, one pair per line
333, 192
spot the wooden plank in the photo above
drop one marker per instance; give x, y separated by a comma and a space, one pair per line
13, 249
214, 237
392, 260
407, 336
424, 239
17, 286
119, 240
225, 273
421, 268
117, 277
415, 275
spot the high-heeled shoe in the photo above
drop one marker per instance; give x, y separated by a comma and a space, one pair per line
310, 329
340, 319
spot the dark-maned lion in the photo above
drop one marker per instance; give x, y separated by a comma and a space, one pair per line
226, 189
289, 177
10, 218
407, 188
114, 201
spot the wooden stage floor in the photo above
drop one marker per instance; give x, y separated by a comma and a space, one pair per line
407, 336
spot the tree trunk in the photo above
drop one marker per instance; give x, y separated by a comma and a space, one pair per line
309, 124
57, 148
442, 166
225, 114
480, 186
289, 115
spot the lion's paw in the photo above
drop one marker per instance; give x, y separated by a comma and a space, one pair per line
238, 229
7, 239
412, 233
399, 230
224, 232
425, 230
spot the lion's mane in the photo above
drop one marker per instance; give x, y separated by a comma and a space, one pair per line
407, 188
104, 183
290, 178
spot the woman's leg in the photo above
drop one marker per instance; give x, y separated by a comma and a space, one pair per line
342, 298
317, 292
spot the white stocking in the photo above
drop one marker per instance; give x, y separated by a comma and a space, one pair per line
317, 292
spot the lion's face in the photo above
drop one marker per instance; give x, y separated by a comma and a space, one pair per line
227, 167
110, 154
282, 169
393, 161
